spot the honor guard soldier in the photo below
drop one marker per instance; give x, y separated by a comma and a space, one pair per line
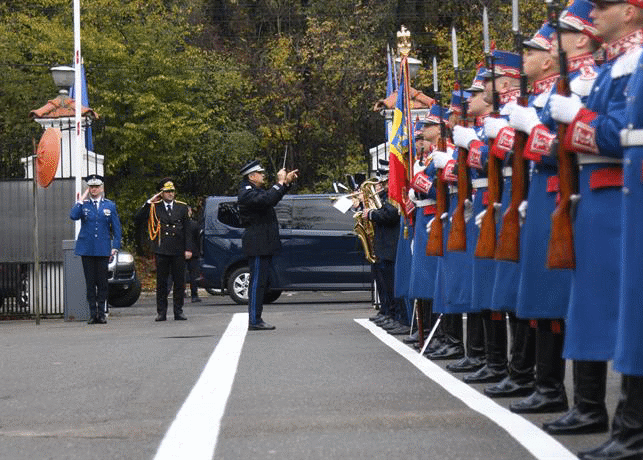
98, 239
594, 133
172, 244
261, 236
464, 137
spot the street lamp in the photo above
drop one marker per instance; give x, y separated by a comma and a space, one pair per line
414, 66
63, 78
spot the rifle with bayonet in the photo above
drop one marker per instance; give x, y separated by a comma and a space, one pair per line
508, 246
560, 251
457, 240
486, 245
434, 245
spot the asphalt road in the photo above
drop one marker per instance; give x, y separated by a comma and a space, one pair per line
321, 386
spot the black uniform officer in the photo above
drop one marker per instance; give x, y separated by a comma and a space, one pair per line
169, 232
261, 237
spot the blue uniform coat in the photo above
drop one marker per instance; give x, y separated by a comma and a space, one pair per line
100, 229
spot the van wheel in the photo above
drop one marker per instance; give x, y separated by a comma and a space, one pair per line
238, 283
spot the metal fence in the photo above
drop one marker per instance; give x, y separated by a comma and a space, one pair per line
17, 245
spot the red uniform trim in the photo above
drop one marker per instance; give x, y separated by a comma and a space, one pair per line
504, 142
553, 184
606, 177
474, 160
580, 136
449, 174
430, 210
539, 143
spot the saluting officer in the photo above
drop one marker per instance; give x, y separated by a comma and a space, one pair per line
169, 232
98, 239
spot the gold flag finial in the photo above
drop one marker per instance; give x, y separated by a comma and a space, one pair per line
404, 41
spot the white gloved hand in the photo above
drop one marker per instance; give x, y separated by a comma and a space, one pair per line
462, 136
412, 196
468, 210
493, 125
444, 216
479, 217
428, 226
440, 159
497, 214
524, 119
564, 109
522, 211
508, 108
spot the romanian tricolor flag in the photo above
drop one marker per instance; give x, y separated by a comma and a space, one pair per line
399, 146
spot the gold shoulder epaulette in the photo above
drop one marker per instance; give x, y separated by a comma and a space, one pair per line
181, 202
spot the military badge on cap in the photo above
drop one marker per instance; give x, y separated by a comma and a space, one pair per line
94, 179
166, 185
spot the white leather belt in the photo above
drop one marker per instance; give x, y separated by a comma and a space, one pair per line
453, 189
424, 203
585, 159
506, 171
631, 137
479, 183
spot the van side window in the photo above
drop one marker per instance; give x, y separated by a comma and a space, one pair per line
229, 214
284, 213
319, 214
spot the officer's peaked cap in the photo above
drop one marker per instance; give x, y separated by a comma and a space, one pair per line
251, 167
94, 179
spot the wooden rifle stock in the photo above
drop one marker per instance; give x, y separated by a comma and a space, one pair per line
486, 246
508, 245
560, 251
434, 245
457, 232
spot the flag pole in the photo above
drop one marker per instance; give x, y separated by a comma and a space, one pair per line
78, 107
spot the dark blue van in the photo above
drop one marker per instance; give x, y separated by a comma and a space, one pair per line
320, 251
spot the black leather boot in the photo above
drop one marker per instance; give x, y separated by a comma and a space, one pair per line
520, 381
626, 439
495, 368
589, 414
474, 350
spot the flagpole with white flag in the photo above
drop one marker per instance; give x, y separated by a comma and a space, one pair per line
78, 106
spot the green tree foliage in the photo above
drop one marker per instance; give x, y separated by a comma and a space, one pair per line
192, 89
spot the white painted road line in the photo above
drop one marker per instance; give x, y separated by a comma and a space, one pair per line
536, 441
195, 430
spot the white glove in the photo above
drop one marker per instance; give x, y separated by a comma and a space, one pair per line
493, 125
564, 109
522, 211
412, 196
444, 216
468, 210
508, 108
440, 159
462, 136
524, 119
480, 215
428, 226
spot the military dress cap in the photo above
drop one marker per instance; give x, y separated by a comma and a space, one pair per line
505, 64
478, 81
166, 185
576, 18
457, 100
542, 39
435, 114
251, 167
94, 179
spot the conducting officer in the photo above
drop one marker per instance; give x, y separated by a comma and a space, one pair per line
99, 237
169, 233
261, 237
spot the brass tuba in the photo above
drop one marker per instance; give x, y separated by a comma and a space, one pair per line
368, 190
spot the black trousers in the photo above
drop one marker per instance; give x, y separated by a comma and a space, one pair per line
259, 276
95, 269
383, 271
166, 266
192, 265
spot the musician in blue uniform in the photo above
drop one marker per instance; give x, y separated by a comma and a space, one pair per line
98, 239
594, 133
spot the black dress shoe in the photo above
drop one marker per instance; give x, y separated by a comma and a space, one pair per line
467, 364
101, 320
92, 320
576, 421
448, 351
402, 330
383, 320
377, 317
392, 325
486, 374
509, 388
262, 326
180, 317
613, 449
540, 403
160, 318
196, 299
